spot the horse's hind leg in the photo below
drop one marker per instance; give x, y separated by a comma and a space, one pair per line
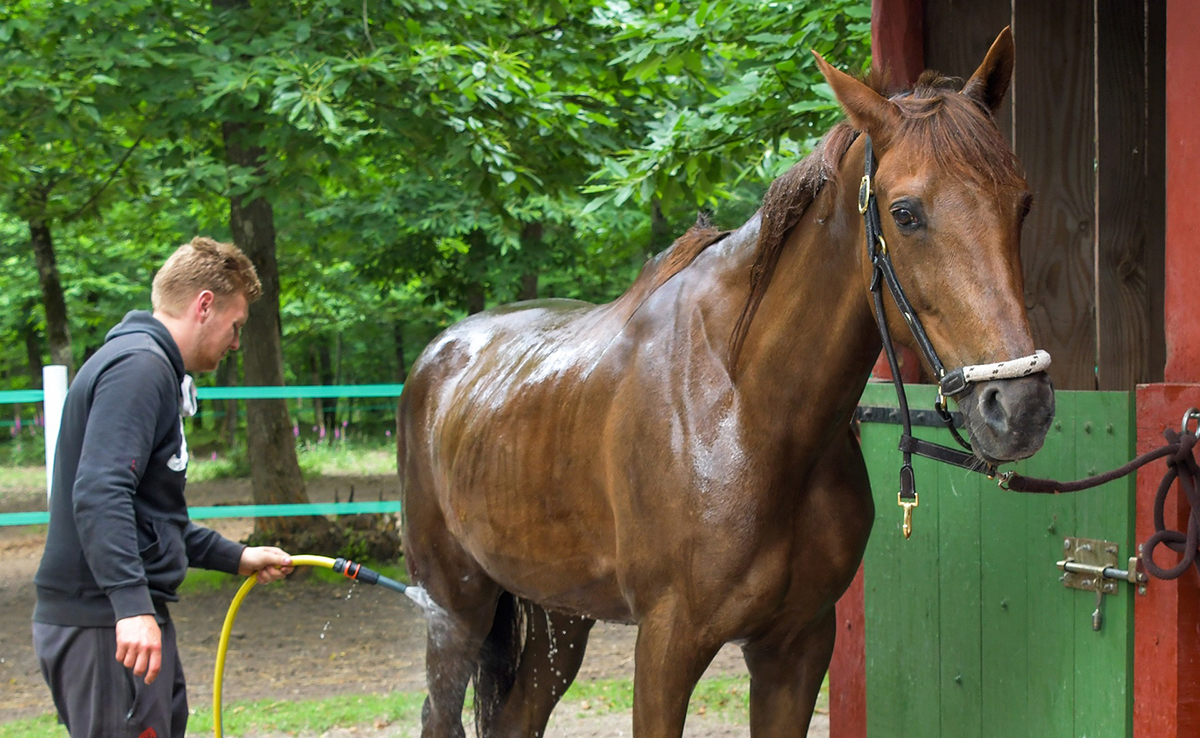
785, 675
549, 660
467, 605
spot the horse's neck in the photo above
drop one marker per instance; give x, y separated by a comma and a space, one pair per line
813, 339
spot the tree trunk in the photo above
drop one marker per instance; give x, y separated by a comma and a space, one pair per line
401, 367
329, 404
33, 348
531, 246
314, 364
477, 271
58, 332
227, 376
274, 468
660, 229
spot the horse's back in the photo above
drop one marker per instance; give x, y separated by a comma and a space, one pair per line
490, 436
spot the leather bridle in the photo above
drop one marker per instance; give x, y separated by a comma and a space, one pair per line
950, 384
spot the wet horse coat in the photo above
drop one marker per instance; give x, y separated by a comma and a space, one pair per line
682, 457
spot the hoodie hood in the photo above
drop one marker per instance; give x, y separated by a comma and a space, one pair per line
140, 321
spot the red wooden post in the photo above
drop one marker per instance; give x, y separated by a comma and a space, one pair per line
1166, 691
898, 43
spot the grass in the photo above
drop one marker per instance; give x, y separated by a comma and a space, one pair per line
727, 697
22, 478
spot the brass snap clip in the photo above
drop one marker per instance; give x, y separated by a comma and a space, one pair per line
908, 506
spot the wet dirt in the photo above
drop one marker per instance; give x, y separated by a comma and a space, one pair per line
305, 639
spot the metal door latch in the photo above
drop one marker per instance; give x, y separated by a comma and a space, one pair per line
1092, 565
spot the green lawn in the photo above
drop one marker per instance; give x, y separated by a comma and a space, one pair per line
724, 696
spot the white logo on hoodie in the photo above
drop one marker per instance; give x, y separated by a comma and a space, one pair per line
187, 408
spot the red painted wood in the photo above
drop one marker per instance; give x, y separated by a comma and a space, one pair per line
898, 45
1183, 183
898, 38
1166, 664
848, 670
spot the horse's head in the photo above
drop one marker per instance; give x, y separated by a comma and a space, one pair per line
952, 200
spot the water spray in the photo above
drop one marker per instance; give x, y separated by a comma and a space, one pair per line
345, 567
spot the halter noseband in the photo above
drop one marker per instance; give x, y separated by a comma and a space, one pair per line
951, 383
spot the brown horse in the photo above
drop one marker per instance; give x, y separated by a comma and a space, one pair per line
682, 458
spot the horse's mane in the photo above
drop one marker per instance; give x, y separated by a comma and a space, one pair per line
950, 126
672, 260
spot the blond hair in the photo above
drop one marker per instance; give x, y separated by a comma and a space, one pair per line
203, 264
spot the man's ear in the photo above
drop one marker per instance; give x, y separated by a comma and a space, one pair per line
867, 110
205, 302
989, 83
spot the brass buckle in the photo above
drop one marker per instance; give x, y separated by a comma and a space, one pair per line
882, 245
864, 194
908, 506
1002, 479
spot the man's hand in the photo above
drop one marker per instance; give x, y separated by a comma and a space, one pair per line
139, 645
268, 562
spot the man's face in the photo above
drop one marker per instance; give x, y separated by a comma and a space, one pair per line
219, 332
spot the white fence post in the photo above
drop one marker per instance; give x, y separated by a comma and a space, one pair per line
54, 388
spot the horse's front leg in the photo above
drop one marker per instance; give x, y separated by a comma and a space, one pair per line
670, 657
785, 677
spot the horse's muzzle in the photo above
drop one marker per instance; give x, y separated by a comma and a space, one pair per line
1007, 419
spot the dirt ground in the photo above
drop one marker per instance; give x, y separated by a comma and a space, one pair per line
306, 639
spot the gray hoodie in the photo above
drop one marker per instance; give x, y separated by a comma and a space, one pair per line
120, 541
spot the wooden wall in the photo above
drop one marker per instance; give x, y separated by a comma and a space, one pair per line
1085, 117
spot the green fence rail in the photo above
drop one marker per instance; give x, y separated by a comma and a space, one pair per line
286, 392
241, 511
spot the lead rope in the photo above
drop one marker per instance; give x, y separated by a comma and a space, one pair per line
1180, 452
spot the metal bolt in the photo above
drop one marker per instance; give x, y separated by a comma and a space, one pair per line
1108, 429
1067, 544
1142, 589
1139, 549
1086, 547
1087, 427
958, 679
1052, 529
1110, 549
1058, 425
1003, 604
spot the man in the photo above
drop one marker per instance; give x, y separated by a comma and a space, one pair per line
119, 541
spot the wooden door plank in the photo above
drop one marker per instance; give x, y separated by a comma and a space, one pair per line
961, 594
1104, 658
1051, 617
1053, 136
1004, 615
1122, 299
882, 577
958, 34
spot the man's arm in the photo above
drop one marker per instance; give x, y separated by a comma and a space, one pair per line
209, 549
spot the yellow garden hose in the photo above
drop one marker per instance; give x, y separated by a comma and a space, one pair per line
345, 567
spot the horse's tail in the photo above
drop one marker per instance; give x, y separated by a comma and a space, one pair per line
499, 660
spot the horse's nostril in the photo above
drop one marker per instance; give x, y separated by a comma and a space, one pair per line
992, 409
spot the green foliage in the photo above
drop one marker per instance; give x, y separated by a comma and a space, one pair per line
421, 158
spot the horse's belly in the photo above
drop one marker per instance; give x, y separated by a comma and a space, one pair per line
555, 547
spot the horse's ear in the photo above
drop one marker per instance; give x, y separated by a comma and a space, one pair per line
989, 83
867, 110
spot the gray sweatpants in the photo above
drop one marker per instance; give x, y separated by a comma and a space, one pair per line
97, 697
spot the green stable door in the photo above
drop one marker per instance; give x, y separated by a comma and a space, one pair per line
970, 630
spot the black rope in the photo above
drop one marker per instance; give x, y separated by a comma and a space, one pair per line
1181, 465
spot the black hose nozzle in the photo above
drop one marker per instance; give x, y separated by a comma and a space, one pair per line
360, 573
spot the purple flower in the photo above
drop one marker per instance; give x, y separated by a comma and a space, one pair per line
387, 433
296, 430
322, 431
214, 458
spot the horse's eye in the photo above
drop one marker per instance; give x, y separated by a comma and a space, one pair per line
905, 218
